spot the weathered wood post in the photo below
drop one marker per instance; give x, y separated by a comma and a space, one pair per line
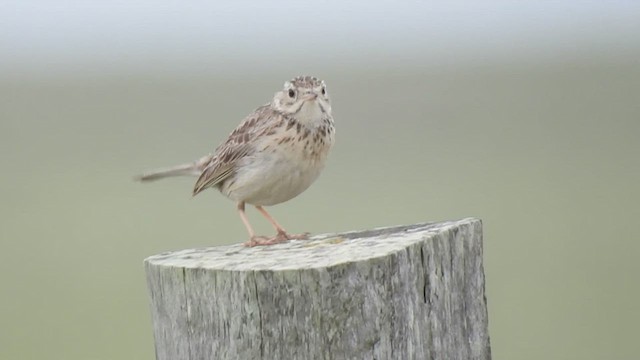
405, 292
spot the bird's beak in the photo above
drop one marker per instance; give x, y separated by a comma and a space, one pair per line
311, 97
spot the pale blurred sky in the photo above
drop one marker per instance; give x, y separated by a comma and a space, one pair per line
53, 36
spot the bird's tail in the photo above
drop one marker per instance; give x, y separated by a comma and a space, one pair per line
190, 169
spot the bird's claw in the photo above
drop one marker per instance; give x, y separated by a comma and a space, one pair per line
281, 237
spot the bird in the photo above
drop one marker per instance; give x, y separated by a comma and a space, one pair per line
272, 156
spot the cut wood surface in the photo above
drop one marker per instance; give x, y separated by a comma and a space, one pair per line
404, 292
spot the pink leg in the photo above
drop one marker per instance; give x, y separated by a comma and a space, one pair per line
282, 233
245, 220
253, 239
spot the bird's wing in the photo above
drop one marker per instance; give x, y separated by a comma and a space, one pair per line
240, 143
220, 170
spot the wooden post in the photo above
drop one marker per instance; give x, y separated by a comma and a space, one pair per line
405, 292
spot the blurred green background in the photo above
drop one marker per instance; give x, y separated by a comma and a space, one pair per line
525, 115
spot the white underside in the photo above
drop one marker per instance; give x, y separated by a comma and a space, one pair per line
272, 178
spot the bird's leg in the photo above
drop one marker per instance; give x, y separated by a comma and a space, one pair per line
253, 239
245, 220
282, 234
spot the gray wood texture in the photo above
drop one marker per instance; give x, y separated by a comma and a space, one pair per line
405, 292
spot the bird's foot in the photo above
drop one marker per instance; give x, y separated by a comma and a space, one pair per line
259, 240
285, 236
281, 237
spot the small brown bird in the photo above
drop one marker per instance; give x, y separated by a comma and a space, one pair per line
274, 155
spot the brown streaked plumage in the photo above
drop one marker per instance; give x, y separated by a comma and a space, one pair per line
271, 157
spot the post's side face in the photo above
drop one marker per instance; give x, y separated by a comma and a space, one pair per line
454, 294
169, 311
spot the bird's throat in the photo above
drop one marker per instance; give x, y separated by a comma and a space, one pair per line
310, 113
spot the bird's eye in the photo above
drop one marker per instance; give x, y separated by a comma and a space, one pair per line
292, 93
324, 91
